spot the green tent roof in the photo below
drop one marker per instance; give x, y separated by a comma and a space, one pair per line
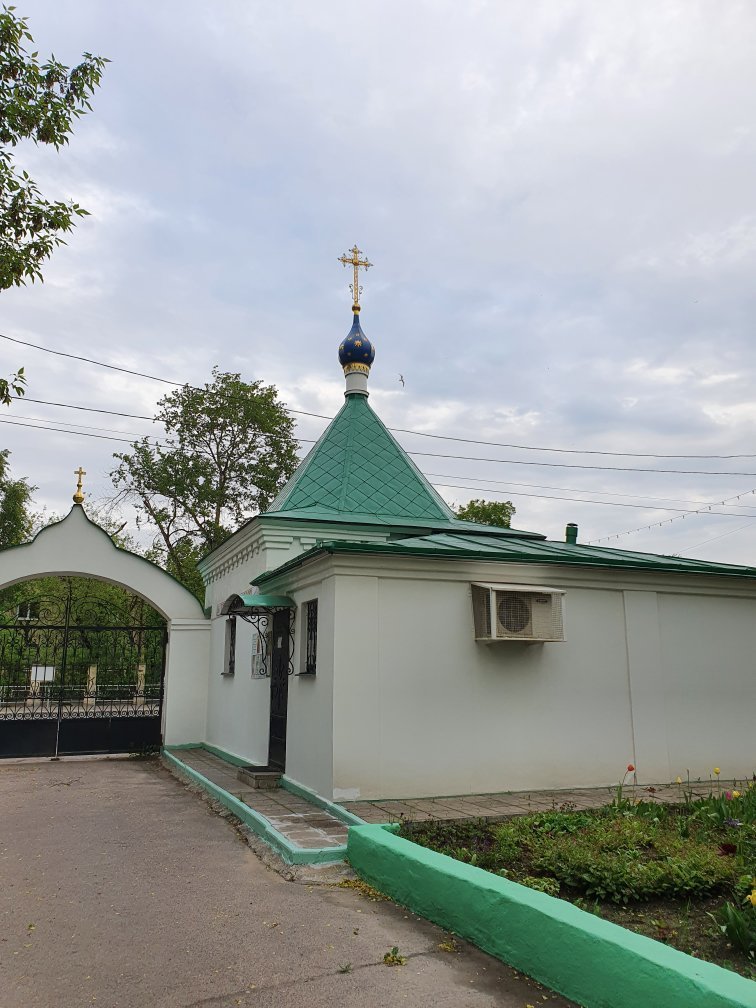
357, 469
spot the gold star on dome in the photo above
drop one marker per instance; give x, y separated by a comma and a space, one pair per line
358, 342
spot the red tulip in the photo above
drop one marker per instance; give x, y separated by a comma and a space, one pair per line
630, 768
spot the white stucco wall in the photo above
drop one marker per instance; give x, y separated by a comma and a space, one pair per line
708, 659
309, 750
660, 678
187, 661
422, 709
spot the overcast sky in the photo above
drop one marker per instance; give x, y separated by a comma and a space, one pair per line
558, 199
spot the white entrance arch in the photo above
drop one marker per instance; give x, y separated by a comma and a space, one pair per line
78, 547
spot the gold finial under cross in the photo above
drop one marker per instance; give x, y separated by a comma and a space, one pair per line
355, 261
78, 497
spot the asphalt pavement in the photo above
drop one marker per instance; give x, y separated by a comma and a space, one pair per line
120, 887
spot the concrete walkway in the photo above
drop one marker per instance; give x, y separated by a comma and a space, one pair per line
120, 887
293, 817
512, 803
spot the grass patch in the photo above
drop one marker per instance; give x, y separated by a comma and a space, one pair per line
682, 874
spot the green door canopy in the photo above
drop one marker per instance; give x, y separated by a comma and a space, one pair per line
255, 605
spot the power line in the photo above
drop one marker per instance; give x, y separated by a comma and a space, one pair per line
110, 430
400, 430
547, 486
482, 479
59, 430
574, 465
526, 462
457, 486
88, 360
667, 521
576, 500
88, 409
714, 538
706, 510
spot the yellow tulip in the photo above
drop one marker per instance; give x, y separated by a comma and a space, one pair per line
736, 794
716, 770
752, 898
678, 780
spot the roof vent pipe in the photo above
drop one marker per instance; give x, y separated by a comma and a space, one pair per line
570, 533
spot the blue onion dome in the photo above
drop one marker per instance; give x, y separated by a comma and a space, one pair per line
356, 353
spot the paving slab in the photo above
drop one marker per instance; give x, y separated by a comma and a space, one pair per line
512, 803
119, 887
292, 816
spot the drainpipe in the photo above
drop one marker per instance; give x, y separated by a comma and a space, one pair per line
570, 534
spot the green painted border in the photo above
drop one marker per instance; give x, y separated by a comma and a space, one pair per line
286, 850
223, 754
594, 962
315, 799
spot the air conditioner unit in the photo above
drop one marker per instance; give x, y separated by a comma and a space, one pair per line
517, 612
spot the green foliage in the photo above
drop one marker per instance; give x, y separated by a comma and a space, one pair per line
626, 858
550, 886
739, 926
394, 958
16, 519
610, 854
39, 101
487, 512
227, 452
13, 386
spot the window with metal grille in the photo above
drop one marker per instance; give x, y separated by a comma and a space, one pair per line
311, 639
229, 663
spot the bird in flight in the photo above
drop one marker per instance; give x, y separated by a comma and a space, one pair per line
401, 379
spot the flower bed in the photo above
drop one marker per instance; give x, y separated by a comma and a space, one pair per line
682, 874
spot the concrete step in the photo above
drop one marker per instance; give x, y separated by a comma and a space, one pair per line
262, 778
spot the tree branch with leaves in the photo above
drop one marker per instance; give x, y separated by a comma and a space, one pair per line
39, 101
487, 512
228, 450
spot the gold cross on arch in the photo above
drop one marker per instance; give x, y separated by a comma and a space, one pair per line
79, 495
357, 264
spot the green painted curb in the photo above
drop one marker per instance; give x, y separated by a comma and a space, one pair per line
215, 750
315, 799
286, 850
590, 960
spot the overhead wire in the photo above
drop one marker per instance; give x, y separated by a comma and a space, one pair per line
668, 521
481, 479
714, 538
547, 486
707, 509
401, 430
575, 500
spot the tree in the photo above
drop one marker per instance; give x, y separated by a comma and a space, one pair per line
16, 520
487, 512
228, 451
38, 102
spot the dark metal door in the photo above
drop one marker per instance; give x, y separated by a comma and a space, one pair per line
76, 676
279, 689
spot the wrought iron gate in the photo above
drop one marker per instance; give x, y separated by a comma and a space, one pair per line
80, 674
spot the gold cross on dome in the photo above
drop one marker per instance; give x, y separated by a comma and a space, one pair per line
355, 261
79, 495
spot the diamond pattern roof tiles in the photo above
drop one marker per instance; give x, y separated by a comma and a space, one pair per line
358, 468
